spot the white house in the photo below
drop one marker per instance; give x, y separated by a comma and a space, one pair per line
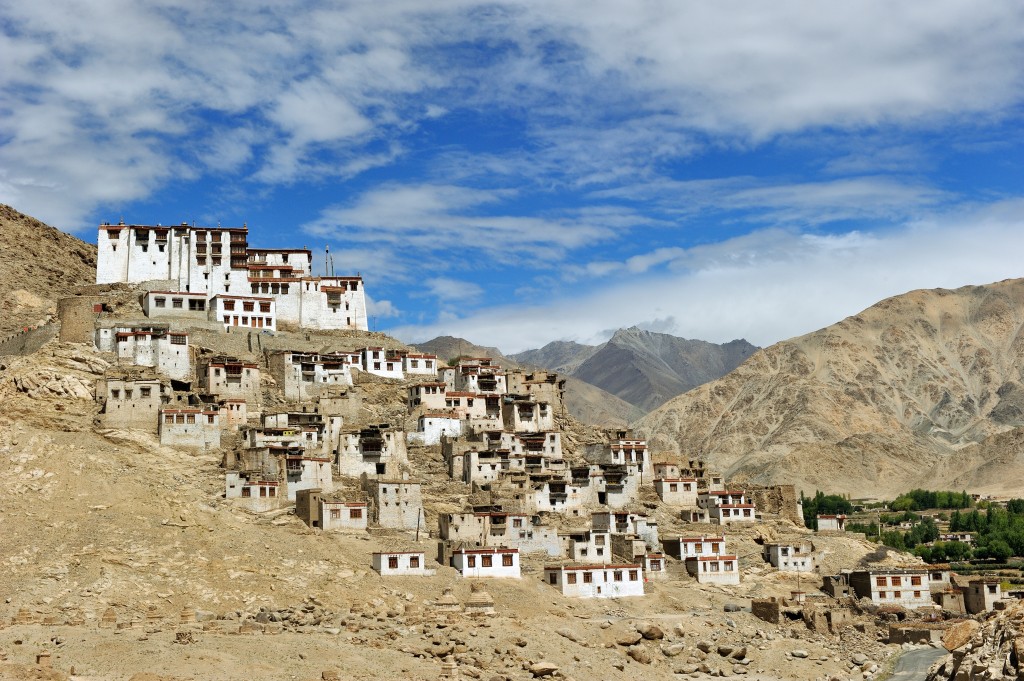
419, 364
166, 351
180, 304
432, 426
306, 375
835, 523
245, 312
596, 581
253, 491
790, 557
654, 566
682, 548
401, 564
377, 361
714, 569
231, 378
677, 491
344, 516
503, 563
429, 396
909, 587
190, 427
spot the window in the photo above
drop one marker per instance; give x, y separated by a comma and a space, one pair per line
882, 594
335, 514
197, 305
392, 562
486, 561
177, 339
915, 581
190, 418
273, 491
160, 302
355, 513
145, 392
570, 577
248, 306
414, 561
633, 576
897, 581
176, 303
588, 577
917, 594
168, 418
263, 491
471, 561
673, 487
246, 492
655, 566
229, 304
879, 581
517, 522
211, 418
506, 560
617, 575
116, 394
728, 566
264, 307
897, 594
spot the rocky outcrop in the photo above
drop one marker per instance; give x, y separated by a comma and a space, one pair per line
993, 652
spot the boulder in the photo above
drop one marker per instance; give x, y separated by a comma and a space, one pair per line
960, 634
639, 654
651, 632
542, 669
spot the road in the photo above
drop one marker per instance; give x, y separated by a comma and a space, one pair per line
913, 665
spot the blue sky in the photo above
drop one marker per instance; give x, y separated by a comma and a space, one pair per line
522, 172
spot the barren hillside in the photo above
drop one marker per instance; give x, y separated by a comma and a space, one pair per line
39, 265
922, 389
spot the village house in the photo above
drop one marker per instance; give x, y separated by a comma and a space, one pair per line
374, 450
131, 402
401, 564
217, 261
587, 546
906, 587
227, 377
499, 529
487, 563
835, 523
654, 566
627, 523
717, 569
396, 504
378, 362
791, 557
197, 427
615, 486
682, 548
542, 387
253, 491
677, 491
963, 537
234, 413
480, 379
418, 364
981, 595
331, 514
430, 396
303, 471
596, 581
308, 375
149, 346
175, 304
523, 415
431, 427
724, 506
244, 312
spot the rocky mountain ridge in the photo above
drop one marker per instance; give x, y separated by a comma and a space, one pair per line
917, 390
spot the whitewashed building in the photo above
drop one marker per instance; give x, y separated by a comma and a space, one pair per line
791, 557
487, 563
374, 450
908, 588
654, 566
380, 362
253, 491
401, 564
432, 426
722, 569
244, 312
190, 427
227, 377
682, 548
419, 364
597, 581
175, 304
166, 351
835, 523
131, 403
308, 375
677, 491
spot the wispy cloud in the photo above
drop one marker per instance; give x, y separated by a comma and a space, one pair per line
764, 286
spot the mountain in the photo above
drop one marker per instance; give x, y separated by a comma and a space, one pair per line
39, 265
586, 402
920, 390
560, 356
646, 368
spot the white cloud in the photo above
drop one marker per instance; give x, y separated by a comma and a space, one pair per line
107, 101
765, 286
452, 290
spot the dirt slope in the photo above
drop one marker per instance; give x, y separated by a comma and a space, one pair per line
39, 265
923, 389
